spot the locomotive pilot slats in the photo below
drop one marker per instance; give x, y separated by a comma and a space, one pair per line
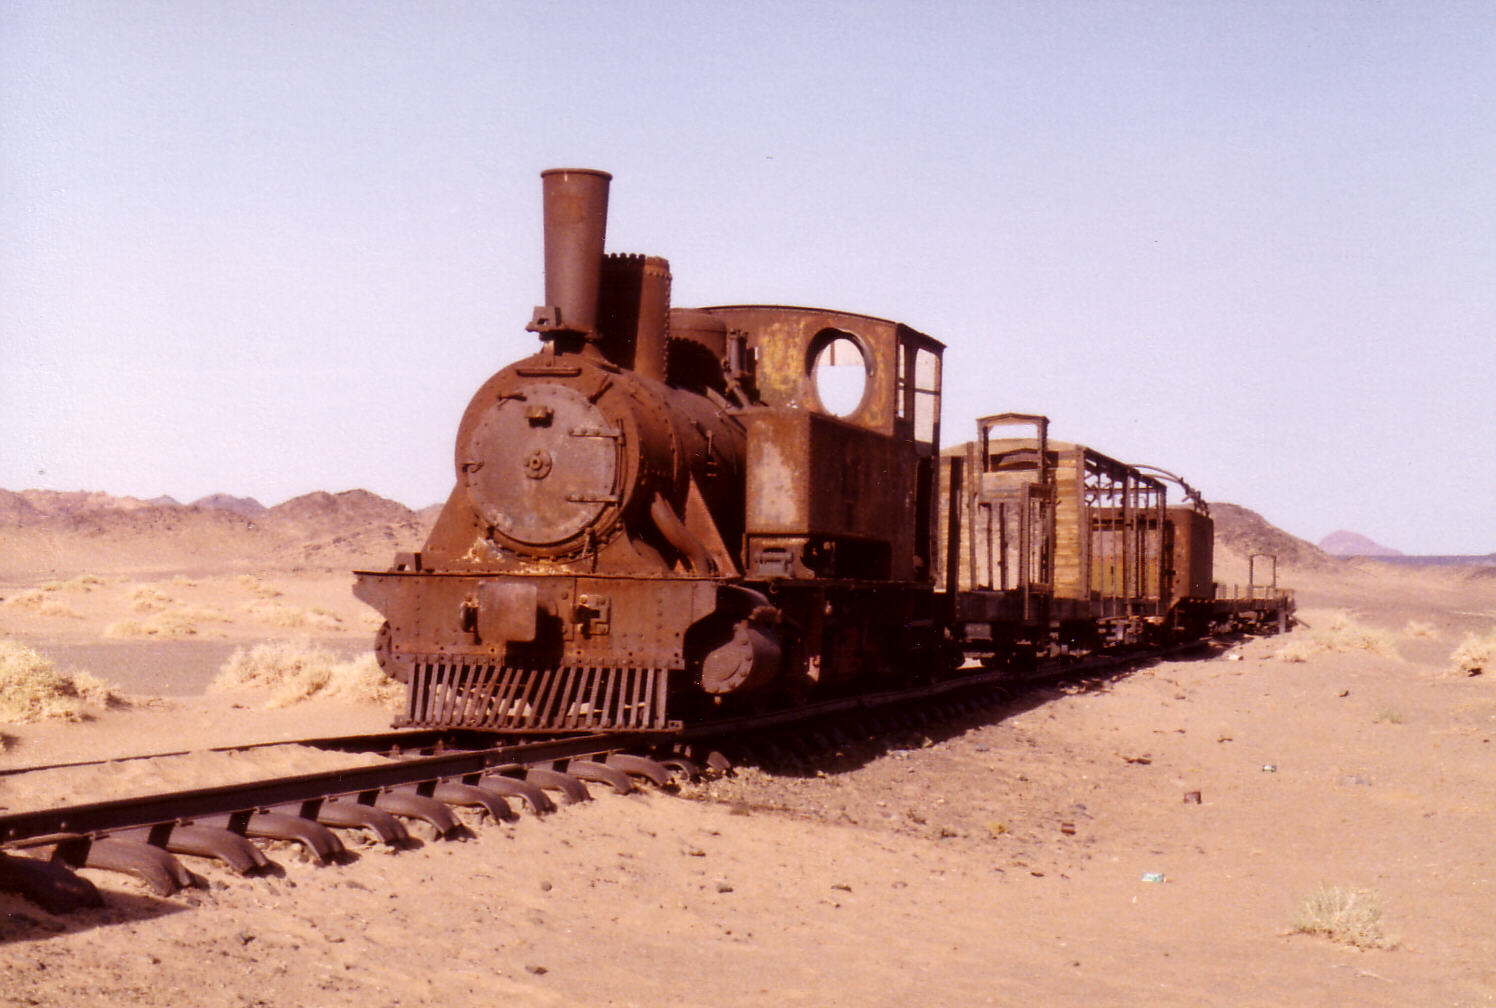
447, 693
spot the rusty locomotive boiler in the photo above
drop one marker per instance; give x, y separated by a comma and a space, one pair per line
667, 514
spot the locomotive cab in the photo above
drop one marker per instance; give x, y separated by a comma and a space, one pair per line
841, 444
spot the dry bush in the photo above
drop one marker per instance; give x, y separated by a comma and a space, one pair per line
31, 688
299, 670
1340, 632
170, 625
27, 599
259, 587
147, 598
1349, 916
282, 615
1476, 654
1415, 628
43, 601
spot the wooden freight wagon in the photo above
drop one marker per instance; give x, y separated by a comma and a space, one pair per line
1056, 541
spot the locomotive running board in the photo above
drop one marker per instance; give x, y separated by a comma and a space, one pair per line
452, 693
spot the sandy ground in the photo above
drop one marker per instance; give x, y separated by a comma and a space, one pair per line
1003, 860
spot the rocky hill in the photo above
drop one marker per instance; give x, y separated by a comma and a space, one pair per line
240, 505
1242, 532
86, 532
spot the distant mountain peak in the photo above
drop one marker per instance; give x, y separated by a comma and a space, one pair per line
247, 506
1343, 543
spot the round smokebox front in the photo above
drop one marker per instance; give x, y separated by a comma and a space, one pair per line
542, 469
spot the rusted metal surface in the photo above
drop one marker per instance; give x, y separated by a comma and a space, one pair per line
224, 845
675, 514
629, 499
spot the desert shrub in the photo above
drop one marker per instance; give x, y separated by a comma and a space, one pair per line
1476, 654
43, 602
170, 625
1341, 632
1349, 916
299, 670
1416, 628
259, 587
24, 599
147, 598
32, 689
291, 617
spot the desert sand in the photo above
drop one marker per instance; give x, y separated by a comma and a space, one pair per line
1041, 854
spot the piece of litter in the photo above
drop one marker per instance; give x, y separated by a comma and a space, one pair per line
1153, 876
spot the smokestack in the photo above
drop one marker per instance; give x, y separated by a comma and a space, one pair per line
576, 218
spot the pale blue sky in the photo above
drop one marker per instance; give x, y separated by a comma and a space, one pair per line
267, 248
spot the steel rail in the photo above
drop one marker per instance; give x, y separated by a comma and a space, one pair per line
393, 742
182, 806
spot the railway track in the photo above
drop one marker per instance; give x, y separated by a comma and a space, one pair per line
426, 775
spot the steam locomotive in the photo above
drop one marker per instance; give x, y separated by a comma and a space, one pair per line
667, 514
